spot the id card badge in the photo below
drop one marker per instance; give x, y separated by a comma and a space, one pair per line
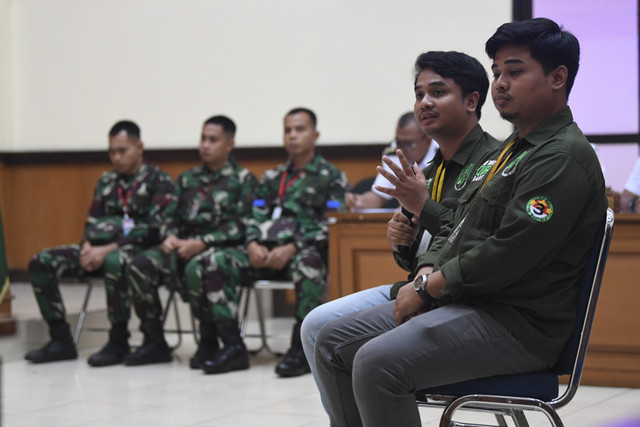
127, 224
277, 212
193, 210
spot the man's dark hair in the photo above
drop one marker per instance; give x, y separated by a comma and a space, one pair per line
308, 112
548, 43
406, 119
465, 71
132, 129
225, 122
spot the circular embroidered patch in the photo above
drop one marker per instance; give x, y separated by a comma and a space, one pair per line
540, 209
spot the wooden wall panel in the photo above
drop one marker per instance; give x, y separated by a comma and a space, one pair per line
45, 205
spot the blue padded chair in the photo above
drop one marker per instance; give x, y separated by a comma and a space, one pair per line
511, 395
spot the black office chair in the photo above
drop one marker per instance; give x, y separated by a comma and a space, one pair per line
511, 395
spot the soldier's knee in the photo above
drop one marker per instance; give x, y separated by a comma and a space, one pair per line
308, 257
140, 265
112, 261
35, 264
192, 270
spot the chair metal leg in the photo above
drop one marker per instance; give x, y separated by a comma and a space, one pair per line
245, 298
518, 418
179, 330
172, 301
513, 407
83, 313
243, 301
501, 421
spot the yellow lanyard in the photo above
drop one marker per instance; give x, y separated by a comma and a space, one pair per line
500, 163
437, 184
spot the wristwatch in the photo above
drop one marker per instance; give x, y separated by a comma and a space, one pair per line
420, 286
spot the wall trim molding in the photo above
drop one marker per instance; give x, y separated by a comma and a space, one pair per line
341, 151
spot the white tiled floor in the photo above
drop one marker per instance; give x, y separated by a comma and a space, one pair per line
74, 394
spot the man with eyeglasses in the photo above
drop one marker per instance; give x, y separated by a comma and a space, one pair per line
417, 147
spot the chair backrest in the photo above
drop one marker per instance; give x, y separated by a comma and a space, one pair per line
572, 357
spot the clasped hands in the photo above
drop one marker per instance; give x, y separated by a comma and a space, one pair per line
277, 258
92, 257
186, 248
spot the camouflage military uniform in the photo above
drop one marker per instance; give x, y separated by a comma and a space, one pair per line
147, 195
212, 207
301, 222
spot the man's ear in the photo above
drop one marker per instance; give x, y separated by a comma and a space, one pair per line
471, 101
559, 77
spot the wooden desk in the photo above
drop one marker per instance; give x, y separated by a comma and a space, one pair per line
359, 254
360, 258
613, 358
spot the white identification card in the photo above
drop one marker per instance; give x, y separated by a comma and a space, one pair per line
277, 212
195, 207
127, 224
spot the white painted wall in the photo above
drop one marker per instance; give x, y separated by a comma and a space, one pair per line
6, 99
71, 68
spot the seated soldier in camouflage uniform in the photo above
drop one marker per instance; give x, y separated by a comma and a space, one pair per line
128, 207
287, 236
204, 246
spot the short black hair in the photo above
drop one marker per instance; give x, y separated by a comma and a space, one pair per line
132, 129
308, 112
228, 126
548, 43
465, 70
406, 119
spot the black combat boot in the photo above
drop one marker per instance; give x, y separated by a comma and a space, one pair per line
233, 356
61, 346
294, 362
154, 348
207, 347
114, 352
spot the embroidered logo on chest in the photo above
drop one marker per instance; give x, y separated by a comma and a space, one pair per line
483, 170
461, 182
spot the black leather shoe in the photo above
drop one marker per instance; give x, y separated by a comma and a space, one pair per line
152, 352
52, 352
111, 354
230, 358
293, 364
203, 353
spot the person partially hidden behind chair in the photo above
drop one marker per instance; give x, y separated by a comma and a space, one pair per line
204, 251
416, 146
287, 236
128, 208
499, 296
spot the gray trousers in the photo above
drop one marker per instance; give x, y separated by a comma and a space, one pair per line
370, 368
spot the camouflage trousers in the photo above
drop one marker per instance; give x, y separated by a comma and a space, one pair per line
49, 265
308, 271
209, 279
